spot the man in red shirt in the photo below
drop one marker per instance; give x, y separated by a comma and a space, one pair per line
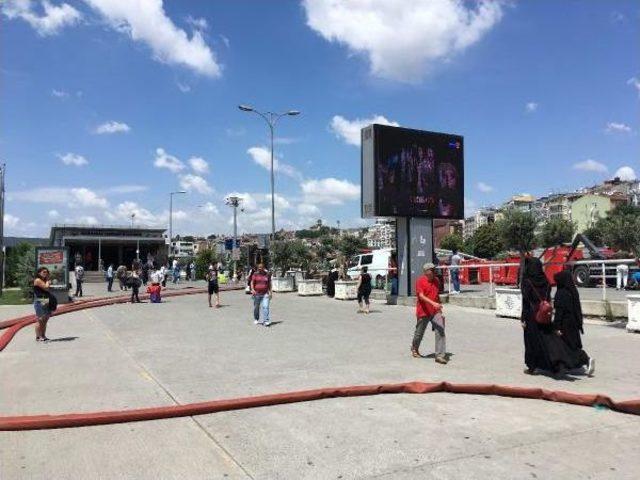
261, 291
429, 309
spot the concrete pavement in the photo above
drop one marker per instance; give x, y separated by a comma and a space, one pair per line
129, 356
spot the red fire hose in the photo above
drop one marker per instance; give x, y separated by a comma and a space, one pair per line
38, 422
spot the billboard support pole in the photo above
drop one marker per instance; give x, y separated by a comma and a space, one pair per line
414, 243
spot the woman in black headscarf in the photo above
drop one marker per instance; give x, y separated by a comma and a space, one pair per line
567, 322
535, 288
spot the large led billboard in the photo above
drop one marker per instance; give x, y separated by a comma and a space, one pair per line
412, 173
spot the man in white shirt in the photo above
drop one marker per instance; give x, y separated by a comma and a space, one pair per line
455, 273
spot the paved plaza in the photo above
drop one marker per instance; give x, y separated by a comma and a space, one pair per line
131, 356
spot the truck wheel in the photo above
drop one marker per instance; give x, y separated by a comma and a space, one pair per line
581, 276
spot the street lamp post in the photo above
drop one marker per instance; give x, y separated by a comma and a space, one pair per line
271, 118
234, 201
3, 252
171, 194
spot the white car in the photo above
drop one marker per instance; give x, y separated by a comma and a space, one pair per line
377, 263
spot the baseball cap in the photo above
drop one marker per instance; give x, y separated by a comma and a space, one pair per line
428, 266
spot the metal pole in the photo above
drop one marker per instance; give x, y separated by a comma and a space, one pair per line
604, 284
3, 252
490, 281
235, 239
273, 202
170, 224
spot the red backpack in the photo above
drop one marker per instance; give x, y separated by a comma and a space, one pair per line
544, 312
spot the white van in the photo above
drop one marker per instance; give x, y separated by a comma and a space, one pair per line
377, 263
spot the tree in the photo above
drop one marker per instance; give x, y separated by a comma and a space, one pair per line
595, 234
350, 245
556, 232
622, 231
516, 230
26, 271
205, 257
485, 242
452, 241
14, 257
282, 255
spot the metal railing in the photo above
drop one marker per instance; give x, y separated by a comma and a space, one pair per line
602, 276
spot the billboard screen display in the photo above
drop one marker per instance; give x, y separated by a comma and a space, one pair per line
412, 173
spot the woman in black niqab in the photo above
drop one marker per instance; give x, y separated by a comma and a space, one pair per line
535, 288
567, 322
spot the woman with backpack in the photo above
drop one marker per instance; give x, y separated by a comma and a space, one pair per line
535, 290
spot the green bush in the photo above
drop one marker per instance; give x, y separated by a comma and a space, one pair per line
452, 241
556, 232
205, 257
517, 230
14, 257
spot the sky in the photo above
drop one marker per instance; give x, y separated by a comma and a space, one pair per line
106, 106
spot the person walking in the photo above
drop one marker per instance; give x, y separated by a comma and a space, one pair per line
261, 291
135, 282
212, 285
145, 273
535, 289
429, 310
109, 276
364, 290
188, 272
79, 280
44, 303
567, 323
121, 275
455, 271
193, 272
622, 276
163, 275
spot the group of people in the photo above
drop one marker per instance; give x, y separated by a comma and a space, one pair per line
552, 332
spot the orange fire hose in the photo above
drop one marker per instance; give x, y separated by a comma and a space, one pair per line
39, 422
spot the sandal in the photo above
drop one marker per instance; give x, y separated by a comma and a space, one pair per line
415, 353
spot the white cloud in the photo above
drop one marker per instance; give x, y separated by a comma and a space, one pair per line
147, 22
120, 189
53, 214
402, 39
330, 191
617, 127
164, 160
52, 19
308, 209
484, 188
591, 166
59, 93
11, 221
626, 173
199, 165
349, 130
86, 220
470, 207
112, 127
225, 40
123, 211
262, 156
210, 208
83, 197
635, 83
531, 107
195, 182
183, 87
73, 159
198, 23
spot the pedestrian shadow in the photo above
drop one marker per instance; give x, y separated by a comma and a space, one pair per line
567, 377
276, 323
62, 339
447, 355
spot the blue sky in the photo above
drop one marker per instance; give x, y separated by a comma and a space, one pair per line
108, 105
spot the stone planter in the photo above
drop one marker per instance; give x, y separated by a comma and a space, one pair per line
309, 287
282, 284
633, 312
508, 302
346, 290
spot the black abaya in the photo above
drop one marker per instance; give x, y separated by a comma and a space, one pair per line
568, 320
